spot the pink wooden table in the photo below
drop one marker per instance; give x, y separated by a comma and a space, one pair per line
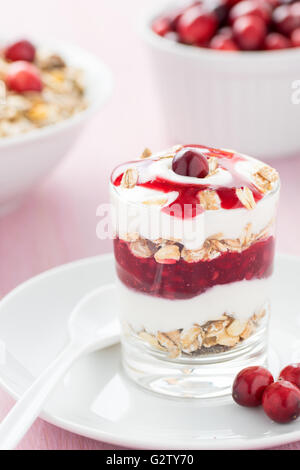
57, 223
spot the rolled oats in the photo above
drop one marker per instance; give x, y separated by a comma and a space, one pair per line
213, 163
141, 249
189, 338
167, 343
130, 178
209, 200
236, 328
150, 339
167, 253
146, 154
213, 337
246, 197
156, 202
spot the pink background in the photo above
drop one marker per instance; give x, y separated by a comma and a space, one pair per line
57, 223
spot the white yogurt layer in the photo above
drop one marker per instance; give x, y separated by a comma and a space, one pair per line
240, 299
132, 215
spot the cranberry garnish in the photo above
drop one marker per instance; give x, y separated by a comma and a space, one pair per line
295, 37
251, 7
249, 386
281, 402
286, 18
223, 43
249, 32
275, 41
162, 26
21, 50
23, 76
191, 163
197, 25
291, 374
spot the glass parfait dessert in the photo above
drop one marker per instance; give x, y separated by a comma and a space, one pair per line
194, 249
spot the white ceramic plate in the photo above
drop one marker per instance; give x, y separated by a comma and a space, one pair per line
97, 401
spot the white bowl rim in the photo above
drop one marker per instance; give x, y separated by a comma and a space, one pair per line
200, 53
106, 83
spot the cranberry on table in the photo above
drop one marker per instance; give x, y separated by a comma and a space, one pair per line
291, 374
21, 50
223, 43
23, 76
249, 386
197, 25
161, 26
295, 37
249, 32
276, 41
251, 7
281, 402
190, 162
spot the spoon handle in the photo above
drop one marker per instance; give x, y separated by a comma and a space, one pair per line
27, 409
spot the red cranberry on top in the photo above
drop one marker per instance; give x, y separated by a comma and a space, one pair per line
286, 18
162, 26
295, 37
21, 50
223, 43
23, 76
190, 162
276, 41
197, 25
249, 32
251, 7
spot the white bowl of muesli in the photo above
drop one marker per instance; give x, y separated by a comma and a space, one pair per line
47, 94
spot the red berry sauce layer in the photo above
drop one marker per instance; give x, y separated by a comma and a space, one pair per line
183, 280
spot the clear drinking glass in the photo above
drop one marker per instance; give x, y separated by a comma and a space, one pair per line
192, 318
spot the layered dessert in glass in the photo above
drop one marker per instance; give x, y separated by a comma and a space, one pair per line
194, 248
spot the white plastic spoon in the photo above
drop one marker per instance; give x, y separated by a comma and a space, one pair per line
90, 329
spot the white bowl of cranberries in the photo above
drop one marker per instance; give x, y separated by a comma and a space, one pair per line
228, 73
48, 92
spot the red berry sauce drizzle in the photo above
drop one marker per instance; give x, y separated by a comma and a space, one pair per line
188, 193
183, 280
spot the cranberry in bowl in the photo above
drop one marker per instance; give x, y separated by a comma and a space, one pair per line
194, 249
228, 72
49, 90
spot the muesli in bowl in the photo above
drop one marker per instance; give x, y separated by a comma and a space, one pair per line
194, 251
40, 89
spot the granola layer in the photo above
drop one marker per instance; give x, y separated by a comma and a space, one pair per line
210, 338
